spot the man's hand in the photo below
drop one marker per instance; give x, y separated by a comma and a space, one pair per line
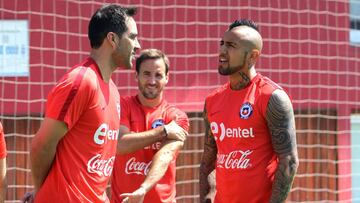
175, 132
135, 197
212, 181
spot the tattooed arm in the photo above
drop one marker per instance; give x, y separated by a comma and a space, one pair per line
207, 164
281, 123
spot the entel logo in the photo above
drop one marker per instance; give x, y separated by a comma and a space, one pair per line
230, 132
103, 132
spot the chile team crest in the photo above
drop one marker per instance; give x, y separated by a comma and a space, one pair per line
157, 123
246, 110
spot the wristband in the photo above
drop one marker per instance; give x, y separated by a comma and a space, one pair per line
165, 132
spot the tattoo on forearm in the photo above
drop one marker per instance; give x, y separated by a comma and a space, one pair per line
208, 160
281, 123
282, 184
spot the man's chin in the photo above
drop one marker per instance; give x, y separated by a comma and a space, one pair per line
150, 96
223, 71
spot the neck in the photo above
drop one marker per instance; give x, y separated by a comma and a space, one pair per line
150, 102
241, 79
106, 69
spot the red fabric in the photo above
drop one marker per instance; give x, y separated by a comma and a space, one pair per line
130, 170
2, 143
85, 155
246, 162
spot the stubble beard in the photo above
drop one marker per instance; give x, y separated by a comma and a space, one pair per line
150, 94
229, 70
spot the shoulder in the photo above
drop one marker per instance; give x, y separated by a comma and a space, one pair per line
217, 92
179, 116
273, 90
279, 98
279, 106
266, 85
79, 75
172, 111
175, 111
78, 79
85, 71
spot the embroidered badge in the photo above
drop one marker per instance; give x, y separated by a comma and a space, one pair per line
246, 110
157, 123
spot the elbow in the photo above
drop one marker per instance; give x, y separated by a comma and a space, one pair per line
289, 164
34, 147
123, 145
180, 144
295, 163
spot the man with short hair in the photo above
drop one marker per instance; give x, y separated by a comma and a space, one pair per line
250, 133
72, 153
144, 171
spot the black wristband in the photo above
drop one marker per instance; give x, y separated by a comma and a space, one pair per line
166, 134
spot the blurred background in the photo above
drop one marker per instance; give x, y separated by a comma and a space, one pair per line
311, 49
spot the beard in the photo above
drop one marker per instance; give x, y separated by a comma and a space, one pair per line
122, 59
229, 70
150, 94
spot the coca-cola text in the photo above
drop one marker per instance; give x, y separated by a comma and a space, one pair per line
137, 167
234, 160
102, 167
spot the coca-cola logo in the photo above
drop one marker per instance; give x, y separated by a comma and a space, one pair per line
220, 132
234, 160
137, 167
102, 167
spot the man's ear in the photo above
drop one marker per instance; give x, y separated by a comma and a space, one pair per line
136, 76
111, 39
254, 55
167, 76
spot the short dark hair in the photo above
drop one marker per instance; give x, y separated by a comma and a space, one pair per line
245, 22
152, 54
109, 18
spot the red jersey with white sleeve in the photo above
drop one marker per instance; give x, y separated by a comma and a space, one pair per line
2, 143
246, 161
85, 155
131, 169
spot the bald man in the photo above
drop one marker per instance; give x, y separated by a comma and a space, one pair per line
250, 137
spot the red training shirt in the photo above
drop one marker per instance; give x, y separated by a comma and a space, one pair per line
246, 161
85, 155
131, 169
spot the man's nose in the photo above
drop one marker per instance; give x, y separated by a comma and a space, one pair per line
137, 44
222, 49
152, 80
